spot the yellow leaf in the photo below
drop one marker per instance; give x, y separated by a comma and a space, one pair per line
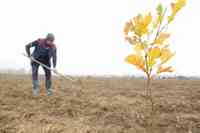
142, 23
139, 47
166, 69
132, 40
166, 55
171, 18
138, 26
128, 27
154, 53
161, 38
147, 20
136, 60
175, 8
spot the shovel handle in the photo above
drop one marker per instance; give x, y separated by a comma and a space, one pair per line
47, 67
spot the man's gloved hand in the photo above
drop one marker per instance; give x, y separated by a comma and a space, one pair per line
31, 59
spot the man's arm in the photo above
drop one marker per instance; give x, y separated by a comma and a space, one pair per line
54, 57
28, 46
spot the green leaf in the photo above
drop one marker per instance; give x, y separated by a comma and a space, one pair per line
159, 9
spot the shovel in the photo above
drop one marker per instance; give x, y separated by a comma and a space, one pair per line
56, 72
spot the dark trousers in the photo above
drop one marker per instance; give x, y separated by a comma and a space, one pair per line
48, 84
35, 67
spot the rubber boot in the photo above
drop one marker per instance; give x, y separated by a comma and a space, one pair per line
48, 88
36, 87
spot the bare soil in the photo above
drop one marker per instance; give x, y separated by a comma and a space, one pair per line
99, 105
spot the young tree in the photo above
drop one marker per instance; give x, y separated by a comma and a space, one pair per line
149, 37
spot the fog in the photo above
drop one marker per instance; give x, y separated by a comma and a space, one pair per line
89, 34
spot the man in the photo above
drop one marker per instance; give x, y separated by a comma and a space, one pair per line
44, 50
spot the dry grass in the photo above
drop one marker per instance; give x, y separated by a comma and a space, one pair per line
104, 105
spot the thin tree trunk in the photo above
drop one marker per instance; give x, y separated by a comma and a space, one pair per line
150, 98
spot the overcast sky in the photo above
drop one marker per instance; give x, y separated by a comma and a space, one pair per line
89, 34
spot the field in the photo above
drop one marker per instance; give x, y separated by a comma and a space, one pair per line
101, 105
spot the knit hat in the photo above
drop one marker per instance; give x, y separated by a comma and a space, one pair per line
50, 37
